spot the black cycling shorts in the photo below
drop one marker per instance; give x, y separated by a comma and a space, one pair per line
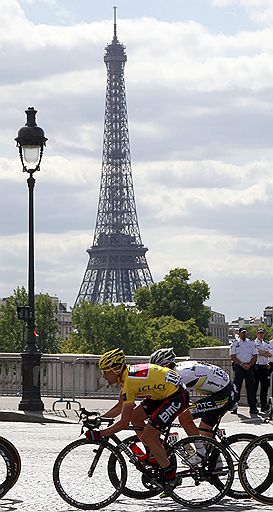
162, 412
209, 408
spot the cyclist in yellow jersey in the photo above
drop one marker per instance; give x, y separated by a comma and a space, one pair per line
134, 383
163, 398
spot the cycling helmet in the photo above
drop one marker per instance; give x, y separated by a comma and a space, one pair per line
113, 359
163, 356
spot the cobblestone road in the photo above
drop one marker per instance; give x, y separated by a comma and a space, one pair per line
39, 445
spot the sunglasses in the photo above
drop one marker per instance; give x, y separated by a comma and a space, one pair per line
106, 371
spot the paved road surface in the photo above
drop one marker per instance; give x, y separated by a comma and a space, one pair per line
39, 444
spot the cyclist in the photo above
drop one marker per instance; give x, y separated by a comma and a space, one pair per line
163, 398
205, 379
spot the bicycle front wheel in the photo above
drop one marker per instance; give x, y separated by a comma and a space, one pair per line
235, 445
81, 477
256, 469
7, 470
15, 456
207, 482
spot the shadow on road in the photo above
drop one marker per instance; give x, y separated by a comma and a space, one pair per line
153, 504
9, 504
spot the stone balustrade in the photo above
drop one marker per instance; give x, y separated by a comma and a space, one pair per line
72, 376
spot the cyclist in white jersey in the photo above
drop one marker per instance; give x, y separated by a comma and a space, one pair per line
204, 379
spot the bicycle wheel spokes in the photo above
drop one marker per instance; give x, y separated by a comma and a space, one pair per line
256, 469
213, 476
81, 476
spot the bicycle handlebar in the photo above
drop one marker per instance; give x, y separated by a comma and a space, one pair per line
93, 419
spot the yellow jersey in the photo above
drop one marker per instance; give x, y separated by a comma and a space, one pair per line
148, 381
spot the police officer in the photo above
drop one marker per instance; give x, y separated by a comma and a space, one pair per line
262, 374
244, 356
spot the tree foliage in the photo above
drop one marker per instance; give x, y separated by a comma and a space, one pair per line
167, 331
175, 296
170, 313
13, 332
47, 325
99, 328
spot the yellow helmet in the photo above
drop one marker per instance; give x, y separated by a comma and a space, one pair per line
112, 360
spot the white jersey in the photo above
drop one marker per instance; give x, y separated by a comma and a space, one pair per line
204, 378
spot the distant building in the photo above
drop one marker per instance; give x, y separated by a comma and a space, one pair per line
218, 327
234, 325
268, 316
64, 318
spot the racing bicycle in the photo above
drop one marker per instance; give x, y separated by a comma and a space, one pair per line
91, 475
234, 444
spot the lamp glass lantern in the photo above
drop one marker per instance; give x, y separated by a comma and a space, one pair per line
31, 141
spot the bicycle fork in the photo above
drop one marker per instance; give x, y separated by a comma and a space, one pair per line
93, 466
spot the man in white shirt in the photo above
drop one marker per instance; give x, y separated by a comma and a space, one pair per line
262, 375
243, 356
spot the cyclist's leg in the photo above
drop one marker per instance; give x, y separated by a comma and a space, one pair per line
159, 420
186, 421
151, 438
149, 435
138, 418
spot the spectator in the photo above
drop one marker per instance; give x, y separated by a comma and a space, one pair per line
244, 356
262, 368
270, 345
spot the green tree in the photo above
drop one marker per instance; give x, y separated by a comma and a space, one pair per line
167, 331
47, 326
175, 296
99, 328
13, 332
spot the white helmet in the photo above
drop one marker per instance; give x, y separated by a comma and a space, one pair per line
163, 356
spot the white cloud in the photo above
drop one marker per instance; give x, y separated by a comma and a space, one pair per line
200, 118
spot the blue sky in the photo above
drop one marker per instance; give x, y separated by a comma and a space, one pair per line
68, 12
199, 83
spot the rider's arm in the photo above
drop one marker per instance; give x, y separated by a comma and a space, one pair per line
121, 424
264, 352
116, 410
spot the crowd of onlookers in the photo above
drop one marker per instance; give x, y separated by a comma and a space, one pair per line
252, 362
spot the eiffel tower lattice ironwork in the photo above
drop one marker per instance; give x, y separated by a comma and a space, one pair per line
117, 264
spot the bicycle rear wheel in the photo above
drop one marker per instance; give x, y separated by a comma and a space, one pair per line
81, 478
256, 469
15, 457
213, 476
7, 470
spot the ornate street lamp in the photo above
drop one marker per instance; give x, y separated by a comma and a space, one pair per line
30, 141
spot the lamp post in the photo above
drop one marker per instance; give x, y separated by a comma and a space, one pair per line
30, 141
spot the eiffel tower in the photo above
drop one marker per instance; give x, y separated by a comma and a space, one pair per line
117, 264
